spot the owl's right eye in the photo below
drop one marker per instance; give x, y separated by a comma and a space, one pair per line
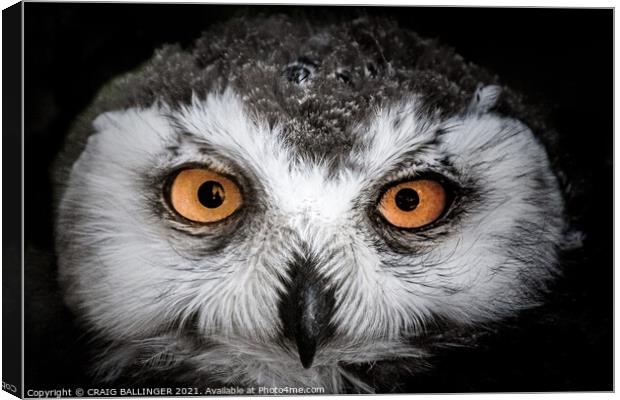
204, 196
413, 204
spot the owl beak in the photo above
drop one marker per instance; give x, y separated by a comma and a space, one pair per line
308, 327
306, 310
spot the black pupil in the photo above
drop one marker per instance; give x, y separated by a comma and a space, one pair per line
211, 194
407, 199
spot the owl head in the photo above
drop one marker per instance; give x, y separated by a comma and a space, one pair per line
288, 198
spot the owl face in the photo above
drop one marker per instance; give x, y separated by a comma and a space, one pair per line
206, 238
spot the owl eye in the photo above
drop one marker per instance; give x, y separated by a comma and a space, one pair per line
202, 195
413, 204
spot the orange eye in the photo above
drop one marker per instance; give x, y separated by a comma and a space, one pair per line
413, 204
202, 195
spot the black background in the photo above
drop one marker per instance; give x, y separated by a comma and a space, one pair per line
560, 57
11, 205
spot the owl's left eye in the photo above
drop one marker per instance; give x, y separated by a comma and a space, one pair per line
413, 204
202, 195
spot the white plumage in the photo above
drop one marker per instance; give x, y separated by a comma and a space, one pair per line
166, 294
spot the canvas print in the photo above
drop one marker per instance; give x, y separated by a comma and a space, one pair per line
316, 200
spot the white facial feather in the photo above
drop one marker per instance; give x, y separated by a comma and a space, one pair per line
133, 277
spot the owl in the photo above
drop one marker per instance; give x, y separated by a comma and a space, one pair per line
292, 200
